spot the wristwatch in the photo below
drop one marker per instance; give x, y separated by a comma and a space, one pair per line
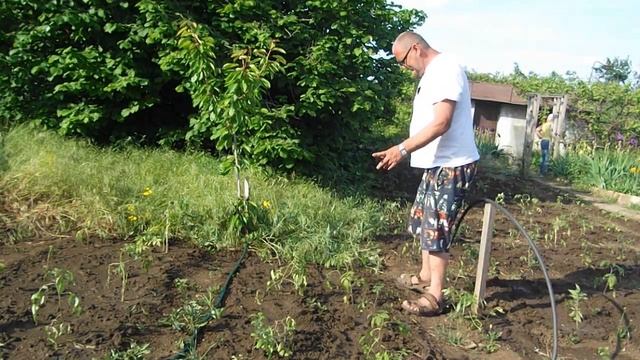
403, 151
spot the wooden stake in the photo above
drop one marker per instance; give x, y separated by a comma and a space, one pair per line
533, 108
557, 101
485, 255
560, 128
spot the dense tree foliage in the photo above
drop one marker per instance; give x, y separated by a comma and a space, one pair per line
303, 75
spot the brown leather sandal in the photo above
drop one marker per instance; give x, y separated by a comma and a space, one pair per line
434, 307
404, 280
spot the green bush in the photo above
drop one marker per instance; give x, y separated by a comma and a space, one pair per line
111, 70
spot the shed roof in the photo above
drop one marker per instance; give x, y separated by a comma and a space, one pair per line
503, 93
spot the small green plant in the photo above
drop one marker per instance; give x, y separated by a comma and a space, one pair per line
451, 335
471, 252
586, 226
491, 338
528, 205
362, 305
610, 279
134, 352
274, 339
574, 338
603, 352
119, 268
623, 332
377, 290
558, 224
463, 302
371, 341
299, 279
193, 314
530, 260
513, 238
493, 268
576, 297
54, 332
314, 303
294, 273
277, 276
50, 253
349, 280
60, 279
182, 286
586, 253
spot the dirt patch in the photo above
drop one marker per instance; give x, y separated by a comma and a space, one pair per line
326, 326
580, 245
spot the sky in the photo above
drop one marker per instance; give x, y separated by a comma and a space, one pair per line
541, 36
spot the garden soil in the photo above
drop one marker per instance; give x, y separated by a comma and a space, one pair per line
329, 323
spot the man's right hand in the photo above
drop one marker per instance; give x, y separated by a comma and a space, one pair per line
389, 158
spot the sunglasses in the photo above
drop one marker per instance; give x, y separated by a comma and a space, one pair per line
403, 62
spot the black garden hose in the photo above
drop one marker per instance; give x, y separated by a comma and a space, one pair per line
191, 342
533, 247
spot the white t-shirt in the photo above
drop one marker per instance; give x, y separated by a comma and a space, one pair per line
444, 78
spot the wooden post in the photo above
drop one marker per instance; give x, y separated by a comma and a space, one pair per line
533, 107
559, 129
485, 255
557, 101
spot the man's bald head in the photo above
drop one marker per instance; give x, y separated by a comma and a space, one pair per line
406, 40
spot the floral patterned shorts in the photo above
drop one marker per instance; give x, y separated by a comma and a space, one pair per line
438, 200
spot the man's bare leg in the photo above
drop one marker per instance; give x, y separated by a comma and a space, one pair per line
425, 269
438, 262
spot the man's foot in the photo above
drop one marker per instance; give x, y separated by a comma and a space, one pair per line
427, 305
413, 282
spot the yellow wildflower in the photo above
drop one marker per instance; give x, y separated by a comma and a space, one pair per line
132, 218
147, 191
634, 170
131, 208
266, 204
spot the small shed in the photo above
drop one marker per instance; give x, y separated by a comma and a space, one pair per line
498, 109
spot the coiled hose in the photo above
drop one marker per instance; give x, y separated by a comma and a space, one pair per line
533, 247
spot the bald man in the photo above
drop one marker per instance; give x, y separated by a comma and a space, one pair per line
442, 143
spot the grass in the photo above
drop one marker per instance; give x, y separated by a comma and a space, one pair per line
635, 207
611, 168
56, 186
